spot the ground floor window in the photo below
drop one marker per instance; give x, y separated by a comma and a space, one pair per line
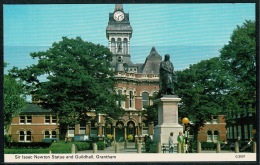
71, 130
209, 137
25, 136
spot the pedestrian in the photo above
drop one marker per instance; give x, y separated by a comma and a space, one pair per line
181, 140
171, 145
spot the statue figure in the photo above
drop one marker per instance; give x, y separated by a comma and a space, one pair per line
167, 76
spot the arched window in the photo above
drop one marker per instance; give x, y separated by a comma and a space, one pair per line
209, 135
120, 99
119, 45
113, 45
215, 137
125, 46
46, 134
28, 136
21, 136
131, 99
25, 136
145, 99
53, 134
131, 128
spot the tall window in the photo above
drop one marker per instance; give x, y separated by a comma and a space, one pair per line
215, 137
93, 130
120, 99
131, 128
28, 136
25, 136
113, 45
53, 134
131, 99
125, 46
21, 136
71, 131
47, 134
82, 128
119, 45
145, 99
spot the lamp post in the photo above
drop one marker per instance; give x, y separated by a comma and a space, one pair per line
185, 121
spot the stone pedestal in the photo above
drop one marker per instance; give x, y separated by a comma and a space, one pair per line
167, 119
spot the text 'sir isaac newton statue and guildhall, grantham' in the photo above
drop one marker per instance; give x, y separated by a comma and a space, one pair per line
137, 82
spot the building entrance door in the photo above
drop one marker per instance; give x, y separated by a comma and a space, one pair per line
119, 132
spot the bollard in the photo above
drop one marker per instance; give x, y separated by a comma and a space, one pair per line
113, 144
116, 148
139, 147
125, 145
158, 147
218, 148
254, 147
236, 147
73, 149
199, 147
94, 145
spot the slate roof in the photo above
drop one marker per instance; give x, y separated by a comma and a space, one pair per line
34, 108
152, 63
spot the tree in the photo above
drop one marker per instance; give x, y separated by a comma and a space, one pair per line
239, 56
78, 80
14, 99
203, 89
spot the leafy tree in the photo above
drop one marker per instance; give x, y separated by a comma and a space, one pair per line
78, 80
222, 84
239, 56
203, 89
14, 99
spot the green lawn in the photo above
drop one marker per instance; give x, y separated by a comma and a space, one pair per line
56, 147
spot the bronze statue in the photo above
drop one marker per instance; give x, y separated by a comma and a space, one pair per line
167, 76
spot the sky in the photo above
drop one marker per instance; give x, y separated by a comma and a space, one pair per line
188, 32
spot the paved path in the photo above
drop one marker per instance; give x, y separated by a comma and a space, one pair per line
132, 150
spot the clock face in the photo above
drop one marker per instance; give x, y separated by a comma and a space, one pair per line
119, 16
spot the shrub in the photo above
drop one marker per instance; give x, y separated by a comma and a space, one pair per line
7, 140
83, 145
26, 151
61, 147
100, 145
29, 145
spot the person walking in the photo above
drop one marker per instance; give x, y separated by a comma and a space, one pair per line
181, 140
171, 145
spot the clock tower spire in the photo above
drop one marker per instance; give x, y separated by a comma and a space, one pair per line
119, 33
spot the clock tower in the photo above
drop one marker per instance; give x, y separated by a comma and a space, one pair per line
119, 33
